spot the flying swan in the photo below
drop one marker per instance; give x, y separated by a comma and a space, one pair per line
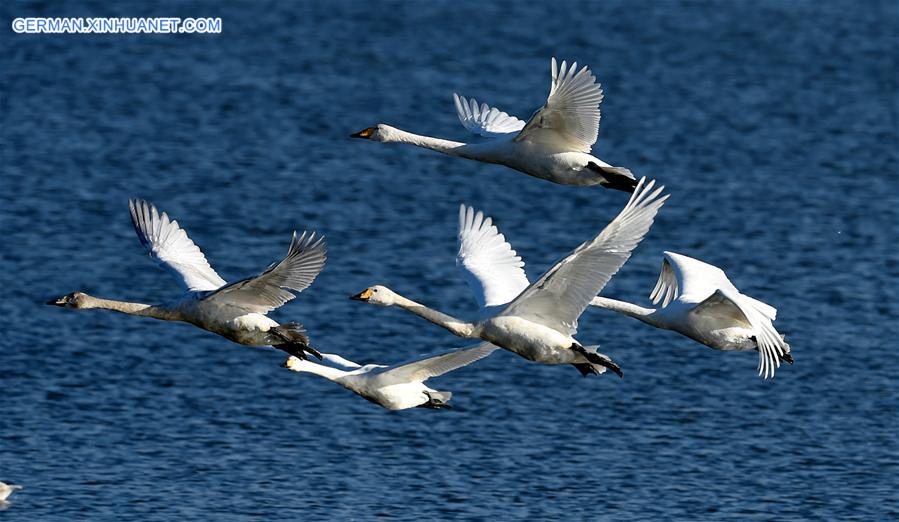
495, 273
539, 323
700, 302
235, 311
554, 144
394, 387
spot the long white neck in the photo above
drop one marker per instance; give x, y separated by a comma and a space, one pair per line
157, 312
455, 326
647, 315
332, 374
394, 135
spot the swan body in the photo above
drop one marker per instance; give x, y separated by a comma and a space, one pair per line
699, 301
236, 311
539, 323
394, 387
554, 144
6, 490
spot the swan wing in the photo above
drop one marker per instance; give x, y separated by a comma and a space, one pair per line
169, 245
697, 278
732, 305
570, 118
560, 296
485, 120
260, 294
492, 269
422, 369
666, 287
684, 275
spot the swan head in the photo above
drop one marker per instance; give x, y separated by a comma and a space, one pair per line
381, 133
377, 294
74, 300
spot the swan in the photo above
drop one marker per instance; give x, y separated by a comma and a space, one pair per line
495, 273
236, 311
553, 145
539, 323
6, 490
394, 387
700, 302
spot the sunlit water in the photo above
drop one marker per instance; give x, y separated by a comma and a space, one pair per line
774, 127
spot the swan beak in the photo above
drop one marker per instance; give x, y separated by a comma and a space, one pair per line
365, 295
364, 133
57, 302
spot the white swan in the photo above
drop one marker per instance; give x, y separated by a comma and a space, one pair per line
495, 273
553, 145
395, 387
6, 490
700, 302
540, 322
235, 311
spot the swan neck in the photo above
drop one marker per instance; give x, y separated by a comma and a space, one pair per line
647, 315
129, 308
332, 374
456, 326
427, 142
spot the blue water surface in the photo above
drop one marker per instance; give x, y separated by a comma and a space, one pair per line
773, 124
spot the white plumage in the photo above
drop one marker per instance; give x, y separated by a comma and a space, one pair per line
699, 301
539, 323
707, 307
395, 387
554, 144
235, 311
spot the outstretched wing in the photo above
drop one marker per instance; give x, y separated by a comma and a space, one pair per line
169, 245
692, 278
560, 296
277, 285
570, 118
485, 120
733, 305
423, 369
492, 269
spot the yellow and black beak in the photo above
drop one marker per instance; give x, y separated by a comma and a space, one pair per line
57, 302
364, 133
365, 295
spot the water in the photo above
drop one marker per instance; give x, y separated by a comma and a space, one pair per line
773, 125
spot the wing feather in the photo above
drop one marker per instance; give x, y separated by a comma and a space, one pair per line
560, 296
493, 270
423, 369
666, 287
485, 120
571, 114
771, 345
278, 284
169, 245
